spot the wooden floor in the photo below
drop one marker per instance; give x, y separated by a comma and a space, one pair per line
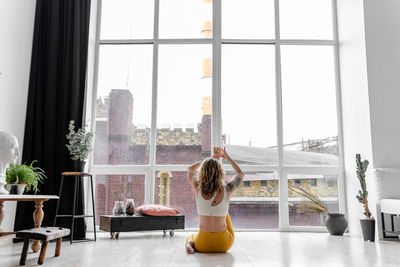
250, 249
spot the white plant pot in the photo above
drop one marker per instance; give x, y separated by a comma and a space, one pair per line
15, 189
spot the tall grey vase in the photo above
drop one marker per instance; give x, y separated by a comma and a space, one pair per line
368, 229
336, 223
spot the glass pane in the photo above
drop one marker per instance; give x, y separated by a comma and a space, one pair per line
123, 107
111, 188
252, 207
248, 103
255, 204
185, 19
309, 106
127, 19
172, 189
323, 186
250, 19
306, 19
184, 104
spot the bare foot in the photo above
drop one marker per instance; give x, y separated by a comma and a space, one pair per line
190, 247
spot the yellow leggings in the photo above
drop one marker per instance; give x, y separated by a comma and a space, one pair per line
214, 242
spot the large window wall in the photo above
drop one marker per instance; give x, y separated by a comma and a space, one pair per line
176, 77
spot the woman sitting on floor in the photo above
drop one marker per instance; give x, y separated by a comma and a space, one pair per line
212, 198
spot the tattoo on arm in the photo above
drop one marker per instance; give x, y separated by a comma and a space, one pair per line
234, 183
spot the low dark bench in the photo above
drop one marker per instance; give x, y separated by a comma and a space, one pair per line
44, 234
116, 224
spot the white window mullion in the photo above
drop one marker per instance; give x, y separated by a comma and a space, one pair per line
248, 41
306, 42
126, 41
186, 41
341, 177
91, 96
151, 41
216, 75
283, 183
149, 186
150, 178
95, 82
332, 170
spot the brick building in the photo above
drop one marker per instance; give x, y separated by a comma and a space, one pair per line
254, 205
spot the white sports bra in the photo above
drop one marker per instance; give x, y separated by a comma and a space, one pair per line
204, 207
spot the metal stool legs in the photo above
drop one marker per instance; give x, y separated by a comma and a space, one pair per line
73, 209
73, 216
94, 212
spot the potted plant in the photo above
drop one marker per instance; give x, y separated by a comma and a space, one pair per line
79, 145
336, 223
22, 176
367, 224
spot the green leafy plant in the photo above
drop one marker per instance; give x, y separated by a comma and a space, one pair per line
362, 196
29, 175
312, 205
80, 142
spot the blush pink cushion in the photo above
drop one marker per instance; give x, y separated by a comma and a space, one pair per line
156, 210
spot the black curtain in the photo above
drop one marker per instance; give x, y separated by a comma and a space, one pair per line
56, 96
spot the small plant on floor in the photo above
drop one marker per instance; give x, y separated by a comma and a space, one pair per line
336, 223
312, 205
367, 224
29, 175
362, 196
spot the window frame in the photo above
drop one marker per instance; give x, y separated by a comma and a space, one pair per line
216, 136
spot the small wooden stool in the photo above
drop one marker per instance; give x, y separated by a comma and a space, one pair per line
44, 234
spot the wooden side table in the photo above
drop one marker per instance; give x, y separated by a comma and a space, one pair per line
38, 214
73, 216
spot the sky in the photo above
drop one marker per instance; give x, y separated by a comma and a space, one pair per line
248, 71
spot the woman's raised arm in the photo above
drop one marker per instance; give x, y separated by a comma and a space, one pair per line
235, 182
192, 172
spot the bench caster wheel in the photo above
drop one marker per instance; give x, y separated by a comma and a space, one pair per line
116, 235
171, 233
111, 235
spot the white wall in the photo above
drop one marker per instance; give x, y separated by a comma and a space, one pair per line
382, 30
369, 33
355, 101
16, 32
382, 34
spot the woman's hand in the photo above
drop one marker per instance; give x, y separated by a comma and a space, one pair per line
216, 153
219, 152
224, 154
